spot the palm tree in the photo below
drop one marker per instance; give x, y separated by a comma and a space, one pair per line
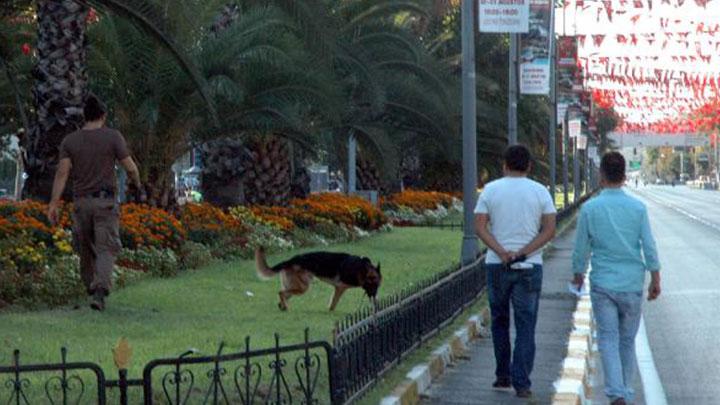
61, 80
256, 71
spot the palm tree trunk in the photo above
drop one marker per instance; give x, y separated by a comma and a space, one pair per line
60, 88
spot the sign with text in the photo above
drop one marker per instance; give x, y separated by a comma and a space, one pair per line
593, 154
535, 50
567, 51
574, 128
582, 142
504, 15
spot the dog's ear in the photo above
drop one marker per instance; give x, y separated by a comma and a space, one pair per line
378, 268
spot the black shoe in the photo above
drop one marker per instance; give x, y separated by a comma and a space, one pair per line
502, 383
97, 302
619, 401
523, 393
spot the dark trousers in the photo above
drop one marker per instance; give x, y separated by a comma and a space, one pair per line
96, 238
522, 289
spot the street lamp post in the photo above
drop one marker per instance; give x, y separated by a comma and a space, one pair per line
513, 89
552, 143
470, 248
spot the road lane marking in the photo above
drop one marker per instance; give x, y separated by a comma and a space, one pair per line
673, 207
652, 386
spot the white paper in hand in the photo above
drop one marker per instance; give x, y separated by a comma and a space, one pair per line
579, 292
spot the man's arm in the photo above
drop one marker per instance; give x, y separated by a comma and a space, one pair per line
481, 228
581, 253
131, 168
61, 176
652, 262
547, 233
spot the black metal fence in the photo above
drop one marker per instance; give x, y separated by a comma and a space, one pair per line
278, 375
367, 345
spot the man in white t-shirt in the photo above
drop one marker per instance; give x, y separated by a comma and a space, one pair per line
515, 218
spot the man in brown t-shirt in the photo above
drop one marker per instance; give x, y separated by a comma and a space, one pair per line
89, 156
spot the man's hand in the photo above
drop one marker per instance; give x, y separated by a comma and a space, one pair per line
578, 280
505, 256
654, 290
53, 212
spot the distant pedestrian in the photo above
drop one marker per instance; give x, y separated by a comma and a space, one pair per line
88, 156
515, 218
614, 232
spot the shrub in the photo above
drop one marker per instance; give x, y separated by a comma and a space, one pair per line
145, 226
156, 262
194, 255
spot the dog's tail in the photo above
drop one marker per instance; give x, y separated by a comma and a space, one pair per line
264, 271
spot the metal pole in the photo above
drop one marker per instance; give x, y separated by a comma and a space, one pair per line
513, 89
576, 171
565, 152
682, 164
552, 144
19, 169
717, 164
470, 248
587, 168
352, 151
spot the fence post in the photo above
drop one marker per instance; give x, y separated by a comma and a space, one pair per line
122, 353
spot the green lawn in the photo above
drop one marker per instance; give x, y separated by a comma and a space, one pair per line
222, 302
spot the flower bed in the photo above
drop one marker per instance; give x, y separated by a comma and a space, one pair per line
419, 201
144, 226
343, 209
33, 253
413, 207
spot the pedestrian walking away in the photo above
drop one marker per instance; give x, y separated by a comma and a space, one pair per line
515, 218
88, 157
614, 234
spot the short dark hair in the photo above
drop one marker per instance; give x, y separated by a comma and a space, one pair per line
517, 158
612, 167
94, 108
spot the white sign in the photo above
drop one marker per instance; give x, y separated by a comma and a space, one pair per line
504, 15
562, 111
593, 154
582, 142
535, 50
535, 78
574, 128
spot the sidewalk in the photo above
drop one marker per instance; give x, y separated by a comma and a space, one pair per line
470, 382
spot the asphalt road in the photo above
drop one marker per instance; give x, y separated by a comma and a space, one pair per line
683, 326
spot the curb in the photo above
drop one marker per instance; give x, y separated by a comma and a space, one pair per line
418, 380
575, 385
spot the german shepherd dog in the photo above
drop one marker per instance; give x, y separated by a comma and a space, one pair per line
341, 270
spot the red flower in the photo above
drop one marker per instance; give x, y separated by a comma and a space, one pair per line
26, 49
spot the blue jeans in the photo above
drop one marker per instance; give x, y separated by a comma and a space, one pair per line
522, 289
617, 315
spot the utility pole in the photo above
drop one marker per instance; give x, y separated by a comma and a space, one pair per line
352, 169
576, 171
513, 89
552, 143
470, 247
565, 152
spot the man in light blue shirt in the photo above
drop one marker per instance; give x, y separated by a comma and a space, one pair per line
614, 233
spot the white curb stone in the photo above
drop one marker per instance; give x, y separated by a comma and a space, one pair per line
421, 375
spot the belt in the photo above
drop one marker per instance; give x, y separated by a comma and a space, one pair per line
97, 194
